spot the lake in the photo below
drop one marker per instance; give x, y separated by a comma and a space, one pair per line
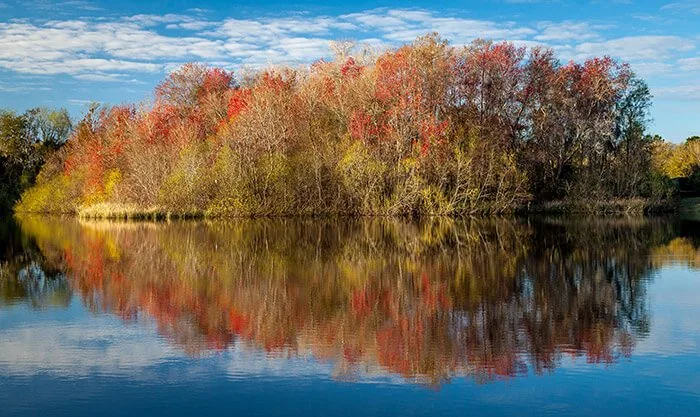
544, 316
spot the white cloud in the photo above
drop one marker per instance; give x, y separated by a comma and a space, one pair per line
74, 47
406, 25
304, 49
154, 19
690, 64
281, 40
633, 48
649, 69
106, 77
117, 49
684, 7
684, 92
191, 25
80, 102
567, 31
23, 87
375, 20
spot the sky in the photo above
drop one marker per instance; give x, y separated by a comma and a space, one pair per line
73, 52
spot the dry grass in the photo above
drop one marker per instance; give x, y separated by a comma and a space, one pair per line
119, 211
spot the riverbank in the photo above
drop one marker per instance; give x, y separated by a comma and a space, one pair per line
626, 207
110, 211
631, 206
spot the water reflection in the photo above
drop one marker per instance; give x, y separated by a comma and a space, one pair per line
24, 276
488, 299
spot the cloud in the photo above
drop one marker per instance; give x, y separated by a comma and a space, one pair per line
23, 87
193, 25
406, 25
290, 39
303, 38
118, 49
690, 64
106, 77
78, 46
649, 69
633, 48
683, 92
684, 7
156, 19
80, 102
567, 31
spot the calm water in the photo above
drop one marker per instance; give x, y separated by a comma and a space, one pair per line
374, 317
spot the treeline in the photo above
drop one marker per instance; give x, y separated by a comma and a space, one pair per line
680, 161
424, 129
26, 141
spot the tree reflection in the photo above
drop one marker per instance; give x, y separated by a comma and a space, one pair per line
488, 298
25, 276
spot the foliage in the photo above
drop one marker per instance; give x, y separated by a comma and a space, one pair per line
26, 141
424, 129
680, 162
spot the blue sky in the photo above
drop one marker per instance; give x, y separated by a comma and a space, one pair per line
68, 53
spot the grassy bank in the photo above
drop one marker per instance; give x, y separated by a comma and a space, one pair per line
626, 207
124, 212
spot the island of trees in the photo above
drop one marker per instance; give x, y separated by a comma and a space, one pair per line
425, 129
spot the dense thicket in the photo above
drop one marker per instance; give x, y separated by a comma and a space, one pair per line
25, 142
423, 129
681, 161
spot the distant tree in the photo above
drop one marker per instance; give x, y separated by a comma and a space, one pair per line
683, 159
50, 127
26, 140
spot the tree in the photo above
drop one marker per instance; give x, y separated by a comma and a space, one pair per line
26, 141
50, 127
632, 146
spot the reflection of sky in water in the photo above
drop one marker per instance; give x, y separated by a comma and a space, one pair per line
66, 360
79, 363
675, 302
73, 342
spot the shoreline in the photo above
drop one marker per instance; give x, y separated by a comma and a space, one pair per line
603, 208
